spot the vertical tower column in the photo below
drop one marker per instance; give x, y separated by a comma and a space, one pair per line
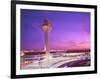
47, 52
46, 28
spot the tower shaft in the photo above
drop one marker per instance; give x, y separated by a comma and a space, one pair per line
46, 42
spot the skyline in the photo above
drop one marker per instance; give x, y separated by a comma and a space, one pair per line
70, 30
